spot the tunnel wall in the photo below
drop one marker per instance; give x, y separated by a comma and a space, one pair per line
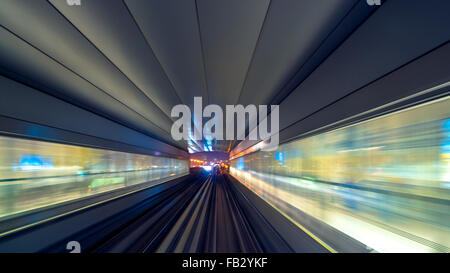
53, 152
382, 181
37, 174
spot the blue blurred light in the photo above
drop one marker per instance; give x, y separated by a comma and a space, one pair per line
240, 165
34, 162
279, 156
446, 125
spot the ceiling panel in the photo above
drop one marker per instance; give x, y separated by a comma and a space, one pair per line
398, 32
292, 32
171, 29
46, 29
109, 25
229, 32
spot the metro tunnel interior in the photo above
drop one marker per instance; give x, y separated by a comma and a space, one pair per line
89, 161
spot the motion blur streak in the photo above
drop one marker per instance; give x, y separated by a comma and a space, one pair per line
35, 174
384, 182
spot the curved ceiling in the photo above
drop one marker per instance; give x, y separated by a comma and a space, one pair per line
133, 60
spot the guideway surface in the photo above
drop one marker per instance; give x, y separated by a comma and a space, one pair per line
220, 219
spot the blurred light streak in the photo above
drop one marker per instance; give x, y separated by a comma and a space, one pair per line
36, 174
384, 181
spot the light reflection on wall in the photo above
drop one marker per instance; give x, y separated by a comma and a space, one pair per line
384, 182
35, 174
